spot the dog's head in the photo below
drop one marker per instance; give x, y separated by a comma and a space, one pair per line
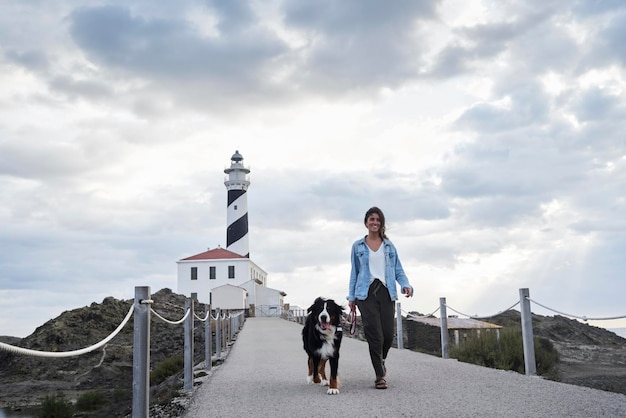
327, 315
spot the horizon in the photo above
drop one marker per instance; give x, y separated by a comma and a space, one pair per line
619, 331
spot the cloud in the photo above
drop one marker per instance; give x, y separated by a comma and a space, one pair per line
492, 137
359, 45
596, 104
171, 54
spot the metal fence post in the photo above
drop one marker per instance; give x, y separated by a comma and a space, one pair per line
227, 328
188, 345
399, 326
444, 327
218, 333
527, 333
225, 331
231, 321
208, 340
141, 352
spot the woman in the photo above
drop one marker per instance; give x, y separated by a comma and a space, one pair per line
375, 270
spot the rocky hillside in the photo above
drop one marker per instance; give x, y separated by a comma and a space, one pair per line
26, 380
589, 356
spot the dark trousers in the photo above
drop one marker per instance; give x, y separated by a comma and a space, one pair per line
377, 314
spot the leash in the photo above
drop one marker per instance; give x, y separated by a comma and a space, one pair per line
351, 320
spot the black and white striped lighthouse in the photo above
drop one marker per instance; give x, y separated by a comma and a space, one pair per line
237, 209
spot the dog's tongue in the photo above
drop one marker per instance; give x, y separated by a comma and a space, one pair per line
325, 325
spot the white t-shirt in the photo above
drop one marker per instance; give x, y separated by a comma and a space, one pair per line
377, 264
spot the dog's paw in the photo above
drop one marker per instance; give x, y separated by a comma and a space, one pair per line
309, 379
331, 391
324, 382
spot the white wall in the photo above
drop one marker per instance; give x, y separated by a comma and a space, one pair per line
267, 296
228, 297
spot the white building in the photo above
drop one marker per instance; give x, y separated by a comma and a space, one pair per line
225, 272
199, 274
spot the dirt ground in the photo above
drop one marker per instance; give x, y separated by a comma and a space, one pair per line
593, 366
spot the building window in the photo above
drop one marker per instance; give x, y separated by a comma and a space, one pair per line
231, 272
194, 273
212, 273
194, 296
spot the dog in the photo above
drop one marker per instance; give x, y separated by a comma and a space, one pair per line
321, 336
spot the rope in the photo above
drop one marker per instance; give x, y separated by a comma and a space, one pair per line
201, 319
583, 317
410, 315
480, 317
29, 352
180, 321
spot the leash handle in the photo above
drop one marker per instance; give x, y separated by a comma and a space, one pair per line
351, 318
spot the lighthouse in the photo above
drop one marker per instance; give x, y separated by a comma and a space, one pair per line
237, 207
227, 278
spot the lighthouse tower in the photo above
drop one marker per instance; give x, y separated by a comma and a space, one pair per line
237, 209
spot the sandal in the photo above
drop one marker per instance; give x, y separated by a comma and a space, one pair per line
380, 383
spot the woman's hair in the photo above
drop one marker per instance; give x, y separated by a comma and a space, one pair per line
380, 214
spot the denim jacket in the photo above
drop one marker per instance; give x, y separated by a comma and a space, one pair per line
360, 273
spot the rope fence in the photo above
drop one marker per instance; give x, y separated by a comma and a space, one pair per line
526, 323
483, 316
430, 315
226, 324
57, 354
583, 317
180, 321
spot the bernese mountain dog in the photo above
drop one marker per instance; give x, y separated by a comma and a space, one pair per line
321, 336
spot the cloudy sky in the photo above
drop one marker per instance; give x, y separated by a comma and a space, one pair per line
490, 132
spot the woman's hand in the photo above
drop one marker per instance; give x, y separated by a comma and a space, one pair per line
408, 292
352, 305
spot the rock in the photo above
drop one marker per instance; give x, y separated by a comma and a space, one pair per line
26, 380
589, 356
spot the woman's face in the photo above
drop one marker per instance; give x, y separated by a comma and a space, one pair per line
373, 223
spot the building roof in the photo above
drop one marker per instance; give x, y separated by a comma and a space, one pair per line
214, 254
456, 323
229, 286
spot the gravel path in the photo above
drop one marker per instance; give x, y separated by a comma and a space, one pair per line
264, 375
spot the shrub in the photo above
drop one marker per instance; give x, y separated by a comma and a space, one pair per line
56, 407
122, 394
167, 368
547, 359
90, 401
507, 352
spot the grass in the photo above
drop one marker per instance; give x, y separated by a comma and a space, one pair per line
91, 401
56, 407
166, 368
